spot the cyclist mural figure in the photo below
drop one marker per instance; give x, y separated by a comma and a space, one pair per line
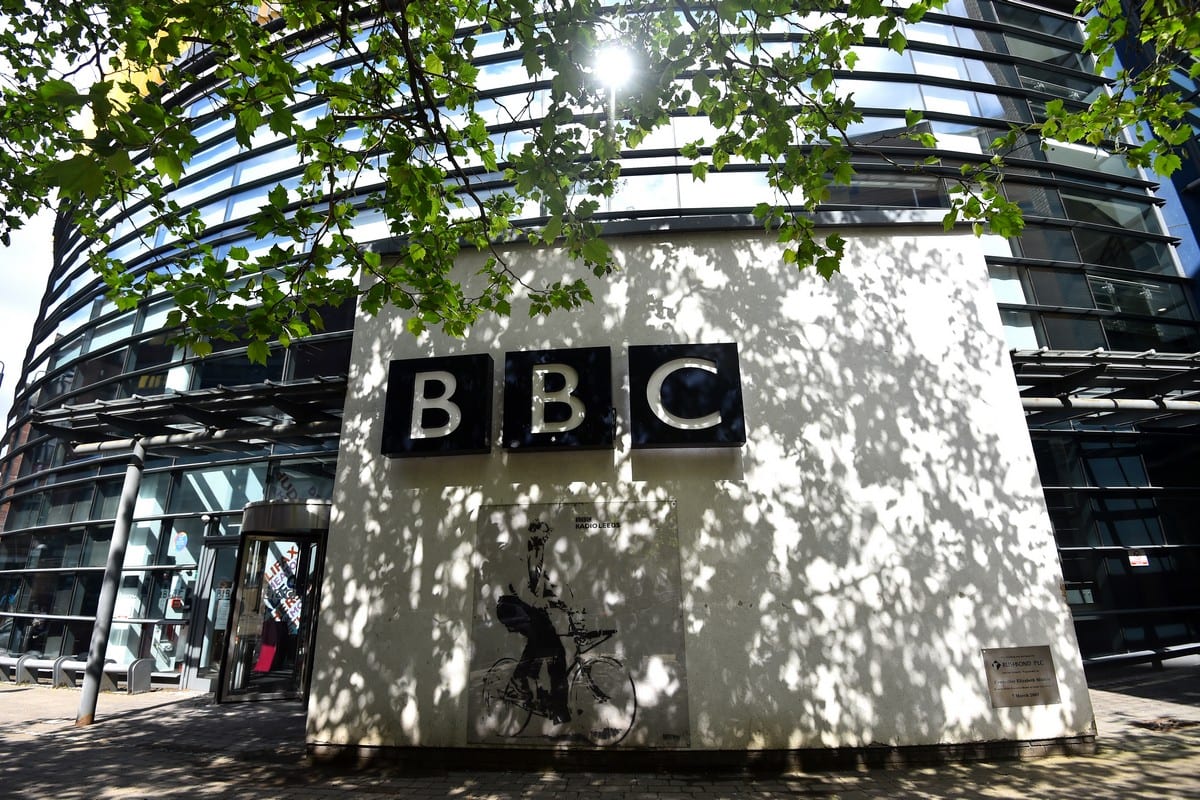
569, 684
526, 610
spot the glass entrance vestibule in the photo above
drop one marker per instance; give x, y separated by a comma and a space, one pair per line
275, 596
178, 568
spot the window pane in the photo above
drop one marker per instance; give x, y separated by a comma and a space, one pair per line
238, 371
145, 355
1056, 288
1113, 463
145, 544
152, 495
1050, 244
1136, 335
889, 192
320, 358
1073, 333
1019, 330
1036, 201
108, 494
95, 370
95, 546
219, 488
68, 504
1126, 522
1006, 283
111, 331
1110, 211
1124, 252
301, 480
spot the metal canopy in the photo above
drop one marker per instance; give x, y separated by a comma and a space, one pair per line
221, 419
1103, 389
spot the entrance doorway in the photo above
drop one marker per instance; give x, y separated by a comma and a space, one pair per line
214, 596
274, 600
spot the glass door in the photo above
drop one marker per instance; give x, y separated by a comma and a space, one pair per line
214, 597
268, 648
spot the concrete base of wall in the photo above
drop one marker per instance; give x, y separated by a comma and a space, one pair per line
424, 760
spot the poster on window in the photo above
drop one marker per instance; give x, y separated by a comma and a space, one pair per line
578, 627
279, 579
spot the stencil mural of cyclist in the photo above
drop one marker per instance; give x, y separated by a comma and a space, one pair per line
576, 618
526, 610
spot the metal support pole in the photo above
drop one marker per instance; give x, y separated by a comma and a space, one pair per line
112, 581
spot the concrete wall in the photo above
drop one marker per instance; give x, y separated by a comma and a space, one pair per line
838, 575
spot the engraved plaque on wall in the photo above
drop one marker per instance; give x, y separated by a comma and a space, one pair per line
1020, 676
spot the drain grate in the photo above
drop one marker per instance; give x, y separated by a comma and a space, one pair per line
1166, 724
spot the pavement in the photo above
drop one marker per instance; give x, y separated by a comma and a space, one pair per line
171, 744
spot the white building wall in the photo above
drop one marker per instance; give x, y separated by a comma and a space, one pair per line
840, 573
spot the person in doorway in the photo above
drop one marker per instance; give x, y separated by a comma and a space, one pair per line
526, 610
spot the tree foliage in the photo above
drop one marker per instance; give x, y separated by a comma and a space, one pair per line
394, 124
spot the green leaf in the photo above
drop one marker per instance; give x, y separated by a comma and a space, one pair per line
1166, 164
551, 229
169, 165
596, 251
258, 352
59, 92
78, 177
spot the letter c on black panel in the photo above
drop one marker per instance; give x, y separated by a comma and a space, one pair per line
686, 395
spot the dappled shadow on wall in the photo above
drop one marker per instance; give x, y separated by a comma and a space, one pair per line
838, 575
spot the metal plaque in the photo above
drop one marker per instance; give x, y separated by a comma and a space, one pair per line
1020, 676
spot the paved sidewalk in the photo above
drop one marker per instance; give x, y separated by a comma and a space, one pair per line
166, 745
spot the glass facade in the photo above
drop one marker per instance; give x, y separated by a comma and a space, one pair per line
1095, 268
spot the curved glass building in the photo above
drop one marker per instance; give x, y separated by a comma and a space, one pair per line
1093, 301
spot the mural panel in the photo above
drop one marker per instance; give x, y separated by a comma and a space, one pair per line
578, 629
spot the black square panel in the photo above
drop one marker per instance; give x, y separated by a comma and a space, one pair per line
438, 406
685, 395
558, 399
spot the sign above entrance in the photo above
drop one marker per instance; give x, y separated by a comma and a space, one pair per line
681, 395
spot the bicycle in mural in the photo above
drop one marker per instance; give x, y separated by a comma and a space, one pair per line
593, 695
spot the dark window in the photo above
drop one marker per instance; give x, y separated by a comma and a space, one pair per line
1137, 336
1049, 244
1057, 288
1125, 252
1036, 201
890, 192
93, 370
1073, 333
237, 370
145, 355
312, 359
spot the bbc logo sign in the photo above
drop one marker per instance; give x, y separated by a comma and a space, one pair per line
686, 395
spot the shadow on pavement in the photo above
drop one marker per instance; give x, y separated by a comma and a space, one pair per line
188, 747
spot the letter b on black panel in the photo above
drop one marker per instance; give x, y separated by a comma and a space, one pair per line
438, 406
558, 399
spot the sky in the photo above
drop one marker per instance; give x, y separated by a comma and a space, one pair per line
24, 267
